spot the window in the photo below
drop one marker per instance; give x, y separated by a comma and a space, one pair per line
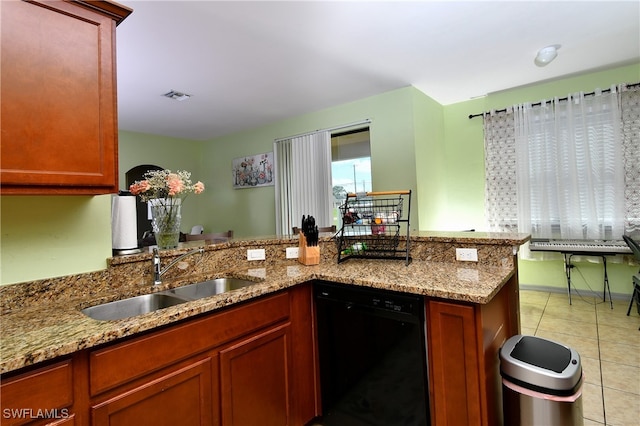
350, 166
303, 168
563, 169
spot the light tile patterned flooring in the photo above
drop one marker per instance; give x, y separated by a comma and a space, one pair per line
608, 342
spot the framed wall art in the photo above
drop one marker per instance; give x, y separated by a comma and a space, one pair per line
253, 171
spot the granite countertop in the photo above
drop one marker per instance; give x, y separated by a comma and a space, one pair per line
44, 331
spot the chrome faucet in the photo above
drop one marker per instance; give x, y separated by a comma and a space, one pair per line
158, 272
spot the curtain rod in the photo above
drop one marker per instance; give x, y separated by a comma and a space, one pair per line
561, 99
329, 129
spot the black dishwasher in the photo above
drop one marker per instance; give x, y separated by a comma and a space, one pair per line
372, 354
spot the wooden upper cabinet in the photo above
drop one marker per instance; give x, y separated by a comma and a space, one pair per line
58, 91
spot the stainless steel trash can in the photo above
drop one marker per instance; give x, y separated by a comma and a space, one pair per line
541, 383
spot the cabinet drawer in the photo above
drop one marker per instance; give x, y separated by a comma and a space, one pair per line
42, 392
120, 363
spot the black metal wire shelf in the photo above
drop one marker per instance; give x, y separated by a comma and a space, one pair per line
371, 226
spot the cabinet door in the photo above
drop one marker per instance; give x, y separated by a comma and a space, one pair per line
255, 380
182, 397
45, 392
305, 384
59, 127
454, 364
119, 364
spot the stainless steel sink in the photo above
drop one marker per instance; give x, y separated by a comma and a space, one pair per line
209, 288
152, 302
132, 307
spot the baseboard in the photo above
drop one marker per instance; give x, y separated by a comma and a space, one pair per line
583, 292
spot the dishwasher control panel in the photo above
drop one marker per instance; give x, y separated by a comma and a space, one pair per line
369, 298
392, 304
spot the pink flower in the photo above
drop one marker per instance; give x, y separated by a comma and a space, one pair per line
198, 188
139, 187
175, 184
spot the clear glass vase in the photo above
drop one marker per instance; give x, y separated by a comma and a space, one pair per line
166, 216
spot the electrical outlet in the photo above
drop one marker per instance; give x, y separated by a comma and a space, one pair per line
292, 252
467, 254
256, 254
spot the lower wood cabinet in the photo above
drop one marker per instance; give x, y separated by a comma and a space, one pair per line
255, 376
68, 421
232, 367
464, 342
255, 364
453, 349
237, 366
179, 397
43, 393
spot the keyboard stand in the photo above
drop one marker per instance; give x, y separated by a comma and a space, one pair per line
568, 266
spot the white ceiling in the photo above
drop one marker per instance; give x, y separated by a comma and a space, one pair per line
251, 63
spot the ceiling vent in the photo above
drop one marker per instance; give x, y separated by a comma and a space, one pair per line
178, 96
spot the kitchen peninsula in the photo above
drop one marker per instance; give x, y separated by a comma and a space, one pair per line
100, 369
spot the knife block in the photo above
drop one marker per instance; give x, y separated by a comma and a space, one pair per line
307, 255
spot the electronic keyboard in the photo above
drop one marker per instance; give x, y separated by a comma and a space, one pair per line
581, 246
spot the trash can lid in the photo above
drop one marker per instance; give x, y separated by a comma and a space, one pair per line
540, 364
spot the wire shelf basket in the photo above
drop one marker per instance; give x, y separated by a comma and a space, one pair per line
372, 224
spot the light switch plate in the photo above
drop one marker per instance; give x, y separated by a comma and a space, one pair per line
292, 252
256, 254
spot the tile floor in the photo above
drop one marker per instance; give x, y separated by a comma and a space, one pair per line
608, 342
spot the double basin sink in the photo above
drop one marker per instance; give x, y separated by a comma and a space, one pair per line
146, 303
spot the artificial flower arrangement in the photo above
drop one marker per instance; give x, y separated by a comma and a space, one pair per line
164, 190
162, 184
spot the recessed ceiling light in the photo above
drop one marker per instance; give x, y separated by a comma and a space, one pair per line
178, 96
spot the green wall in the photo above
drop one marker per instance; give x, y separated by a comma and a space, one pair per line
51, 236
251, 212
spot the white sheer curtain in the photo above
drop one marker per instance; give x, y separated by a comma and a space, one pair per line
303, 180
570, 168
